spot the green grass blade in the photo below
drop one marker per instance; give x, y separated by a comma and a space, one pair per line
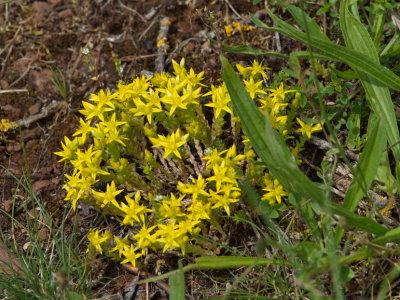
244, 49
367, 165
380, 101
377, 72
377, 17
366, 169
225, 262
177, 284
219, 262
390, 236
307, 23
392, 49
276, 155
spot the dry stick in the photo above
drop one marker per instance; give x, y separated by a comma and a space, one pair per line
133, 11
162, 284
324, 145
152, 12
179, 48
234, 10
45, 111
147, 29
192, 160
14, 91
162, 45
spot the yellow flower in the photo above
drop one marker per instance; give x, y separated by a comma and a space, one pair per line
220, 99
308, 128
121, 245
228, 30
171, 235
274, 191
224, 196
96, 240
103, 98
221, 175
104, 198
171, 208
253, 71
69, 149
173, 98
278, 94
144, 109
170, 143
84, 129
144, 238
253, 87
195, 189
133, 210
130, 255
94, 110
6, 125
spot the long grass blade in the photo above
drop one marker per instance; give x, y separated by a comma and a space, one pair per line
380, 101
177, 284
377, 72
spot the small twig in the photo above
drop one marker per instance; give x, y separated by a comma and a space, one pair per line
162, 44
324, 145
133, 11
21, 77
152, 12
234, 10
14, 91
139, 57
45, 111
146, 275
147, 29
179, 48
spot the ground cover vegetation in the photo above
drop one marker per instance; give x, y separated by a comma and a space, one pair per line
304, 160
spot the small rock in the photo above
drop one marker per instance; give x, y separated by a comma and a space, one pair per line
7, 205
14, 147
40, 11
65, 13
39, 185
35, 108
26, 246
42, 80
9, 264
31, 133
4, 83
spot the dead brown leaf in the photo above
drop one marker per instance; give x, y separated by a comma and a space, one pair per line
39, 185
9, 264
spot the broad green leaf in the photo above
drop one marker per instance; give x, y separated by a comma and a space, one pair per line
377, 72
390, 236
244, 49
177, 284
392, 49
379, 99
377, 17
219, 262
270, 147
367, 166
307, 23
224, 262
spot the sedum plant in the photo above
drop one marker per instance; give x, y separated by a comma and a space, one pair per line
165, 155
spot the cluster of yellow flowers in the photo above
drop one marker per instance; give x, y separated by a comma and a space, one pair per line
6, 125
154, 155
236, 27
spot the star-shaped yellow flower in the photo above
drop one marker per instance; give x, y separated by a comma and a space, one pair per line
308, 128
170, 143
